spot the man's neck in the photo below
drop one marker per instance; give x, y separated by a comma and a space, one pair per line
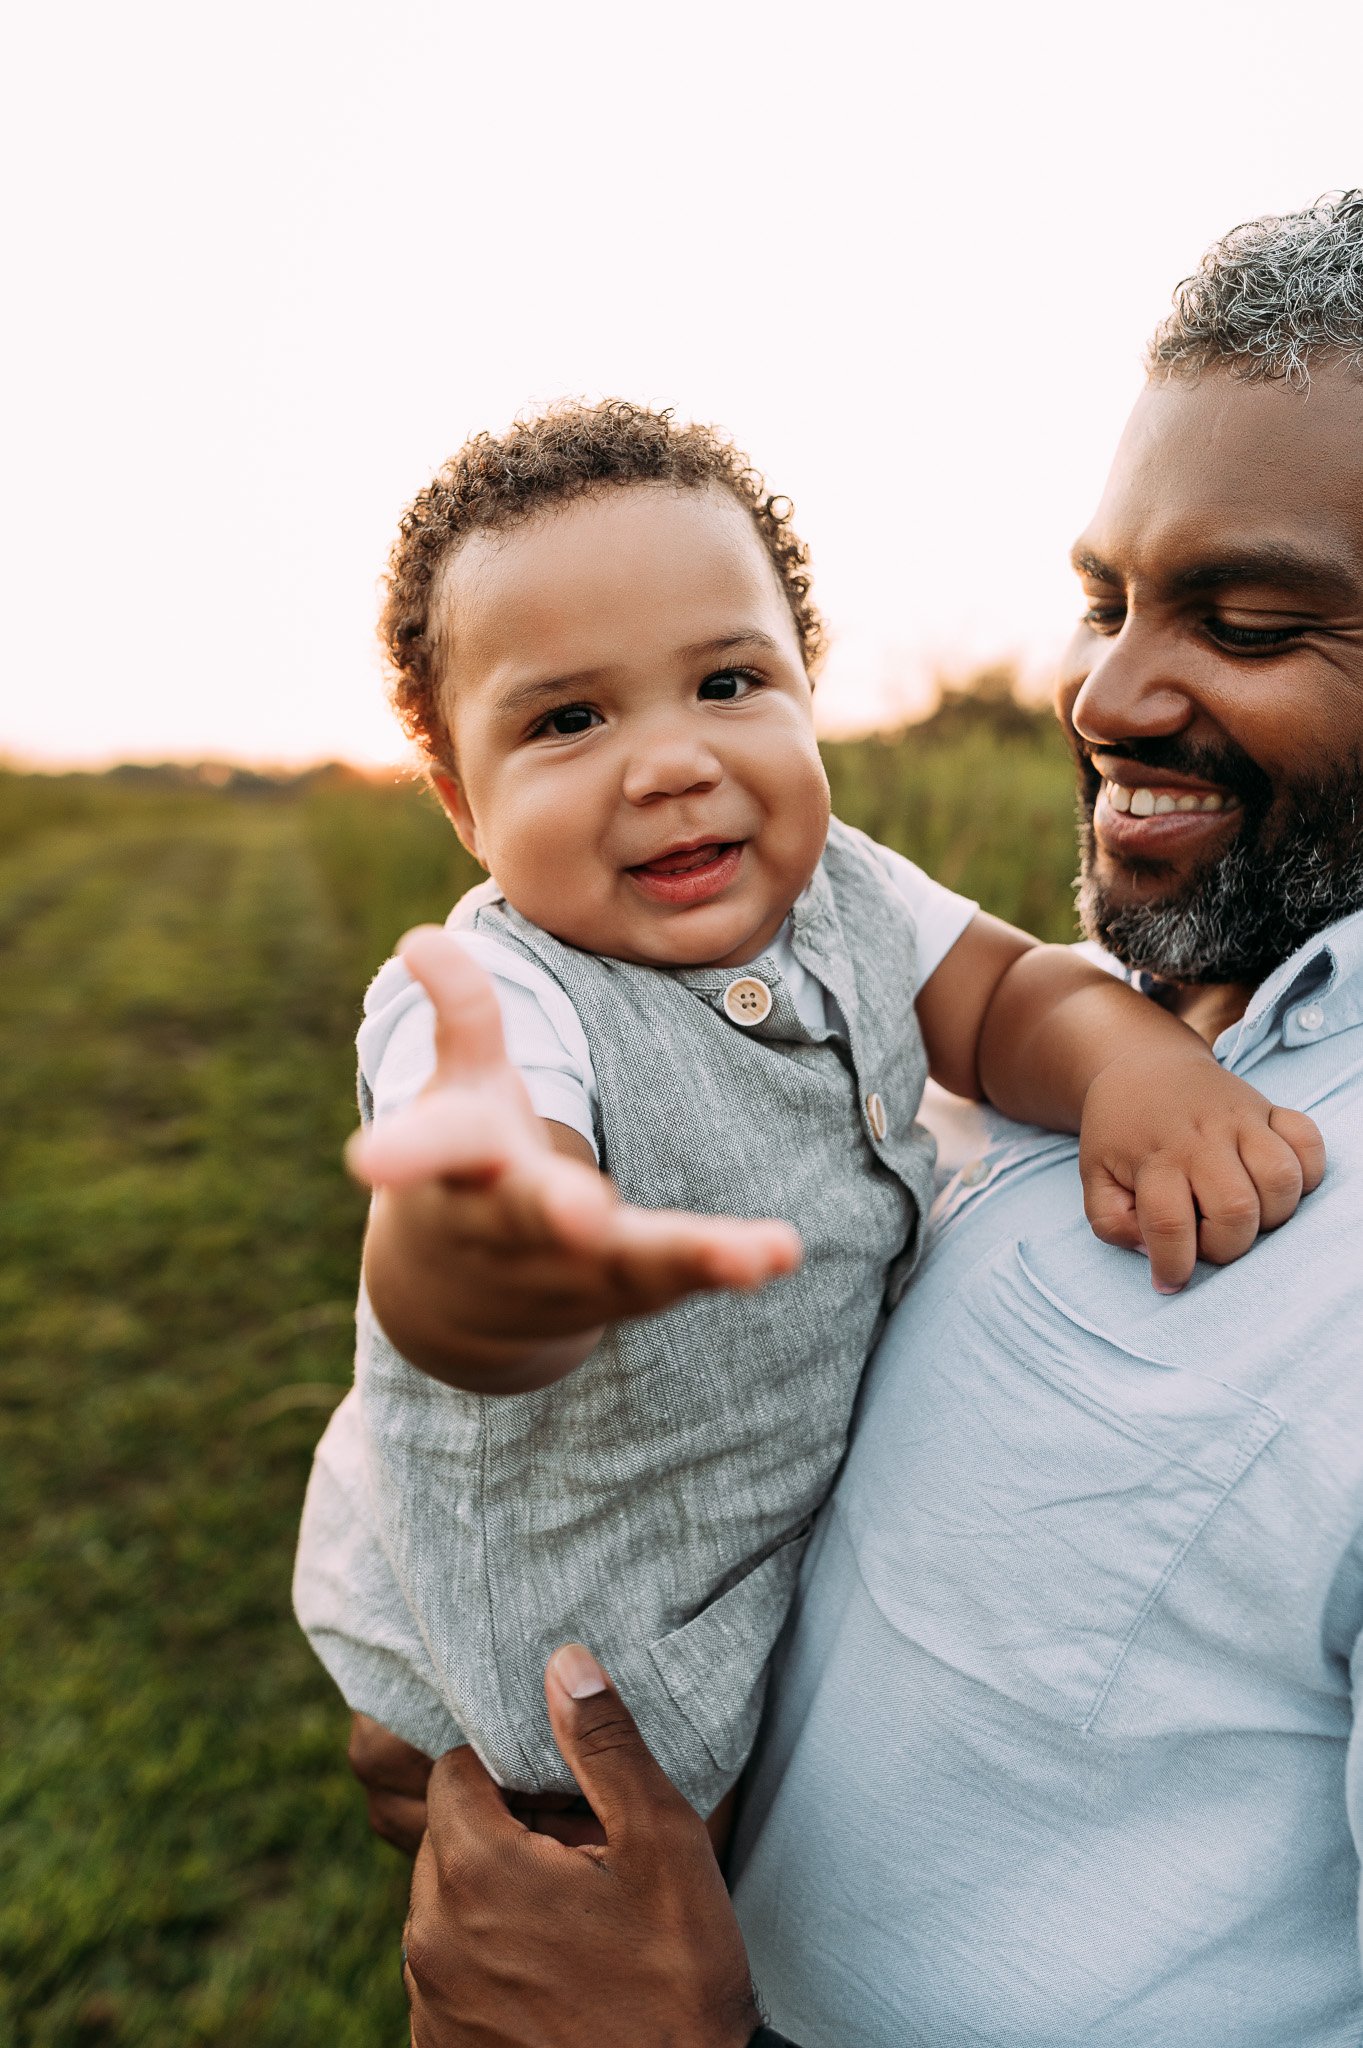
1209, 1009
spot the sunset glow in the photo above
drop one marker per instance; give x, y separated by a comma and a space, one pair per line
276, 263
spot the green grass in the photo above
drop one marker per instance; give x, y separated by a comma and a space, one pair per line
185, 1855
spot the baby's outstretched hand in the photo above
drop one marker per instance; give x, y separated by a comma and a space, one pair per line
525, 1246
1184, 1160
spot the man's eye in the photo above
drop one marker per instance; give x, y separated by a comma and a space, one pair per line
1104, 618
1253, 639
568, 720
728, 683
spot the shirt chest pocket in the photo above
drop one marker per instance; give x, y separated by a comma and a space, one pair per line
1020, 1498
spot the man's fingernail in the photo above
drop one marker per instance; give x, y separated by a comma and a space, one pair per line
578, 1672
1167, 1287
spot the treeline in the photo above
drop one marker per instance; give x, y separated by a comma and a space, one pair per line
988, 702
979, 792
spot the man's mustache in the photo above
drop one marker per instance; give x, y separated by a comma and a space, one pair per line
1228, 766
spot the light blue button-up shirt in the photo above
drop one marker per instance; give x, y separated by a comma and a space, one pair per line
1061, 1748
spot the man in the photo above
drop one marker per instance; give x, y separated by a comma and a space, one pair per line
1061, 1749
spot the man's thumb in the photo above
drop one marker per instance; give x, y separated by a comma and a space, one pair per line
602, 1747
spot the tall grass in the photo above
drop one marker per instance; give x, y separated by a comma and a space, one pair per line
994, 821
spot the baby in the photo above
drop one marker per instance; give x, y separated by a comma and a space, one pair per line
580, 1410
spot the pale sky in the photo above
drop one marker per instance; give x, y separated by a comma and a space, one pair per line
271, 264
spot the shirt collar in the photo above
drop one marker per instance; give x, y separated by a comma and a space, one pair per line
1321, 985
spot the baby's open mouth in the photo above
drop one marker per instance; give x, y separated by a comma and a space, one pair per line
689, 860
690, 874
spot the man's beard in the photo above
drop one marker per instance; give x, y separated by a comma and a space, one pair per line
1240, 916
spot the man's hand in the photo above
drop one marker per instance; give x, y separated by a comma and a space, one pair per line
394, 1776
515, 1941
494, 1260
1186, 1161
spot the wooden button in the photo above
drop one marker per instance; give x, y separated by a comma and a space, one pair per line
747, 1001
875, 1117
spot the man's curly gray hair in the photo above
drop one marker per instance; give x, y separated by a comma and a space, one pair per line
1271, 298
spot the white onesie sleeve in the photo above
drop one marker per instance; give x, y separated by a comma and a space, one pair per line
544, 1038
939, 914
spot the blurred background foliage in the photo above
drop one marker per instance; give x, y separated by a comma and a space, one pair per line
184, 950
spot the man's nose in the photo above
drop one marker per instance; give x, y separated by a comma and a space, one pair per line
670, 762
1133, 690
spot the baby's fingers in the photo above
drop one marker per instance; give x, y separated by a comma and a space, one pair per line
1276, 1171
658, 1257
714, 1251
1111, 1209
454, 1135
469, 1045
1284, 1159
1306, 1141
557, 1202
1229, 1201
1167, 1220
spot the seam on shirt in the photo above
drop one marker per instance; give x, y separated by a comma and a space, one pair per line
1128, 1349
1266, 1431
1266, 1426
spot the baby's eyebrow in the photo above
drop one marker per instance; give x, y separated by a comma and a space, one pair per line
728, 643
518, 698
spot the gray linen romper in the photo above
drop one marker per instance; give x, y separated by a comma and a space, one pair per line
655, 1503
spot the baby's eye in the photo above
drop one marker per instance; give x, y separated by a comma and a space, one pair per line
569, 720
728, 683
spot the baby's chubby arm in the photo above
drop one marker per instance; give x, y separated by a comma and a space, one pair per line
1178, 1157
497, 1252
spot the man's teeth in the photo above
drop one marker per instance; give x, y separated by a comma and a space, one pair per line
1157, 803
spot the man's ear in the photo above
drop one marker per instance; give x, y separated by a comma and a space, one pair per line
455, 805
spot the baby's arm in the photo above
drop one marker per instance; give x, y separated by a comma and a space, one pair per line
496, 1251
1178, 1156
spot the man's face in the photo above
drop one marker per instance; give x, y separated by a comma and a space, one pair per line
1213, 690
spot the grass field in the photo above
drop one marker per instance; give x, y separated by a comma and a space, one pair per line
185, 1858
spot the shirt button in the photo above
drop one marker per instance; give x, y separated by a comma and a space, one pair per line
875, 1117
972, 1175
747, 1001
1311, 1018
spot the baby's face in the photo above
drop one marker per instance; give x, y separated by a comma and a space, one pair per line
633, 726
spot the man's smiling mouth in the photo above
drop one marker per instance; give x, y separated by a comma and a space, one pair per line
1147, 810
1145, 802
1157, 821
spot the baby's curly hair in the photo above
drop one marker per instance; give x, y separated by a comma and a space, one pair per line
496, 481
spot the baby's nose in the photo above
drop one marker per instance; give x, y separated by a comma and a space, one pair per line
670, 765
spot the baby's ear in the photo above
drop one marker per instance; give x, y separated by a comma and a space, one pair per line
455, 805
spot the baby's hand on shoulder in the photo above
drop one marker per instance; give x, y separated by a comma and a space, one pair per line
1184, 1160
508, 1252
